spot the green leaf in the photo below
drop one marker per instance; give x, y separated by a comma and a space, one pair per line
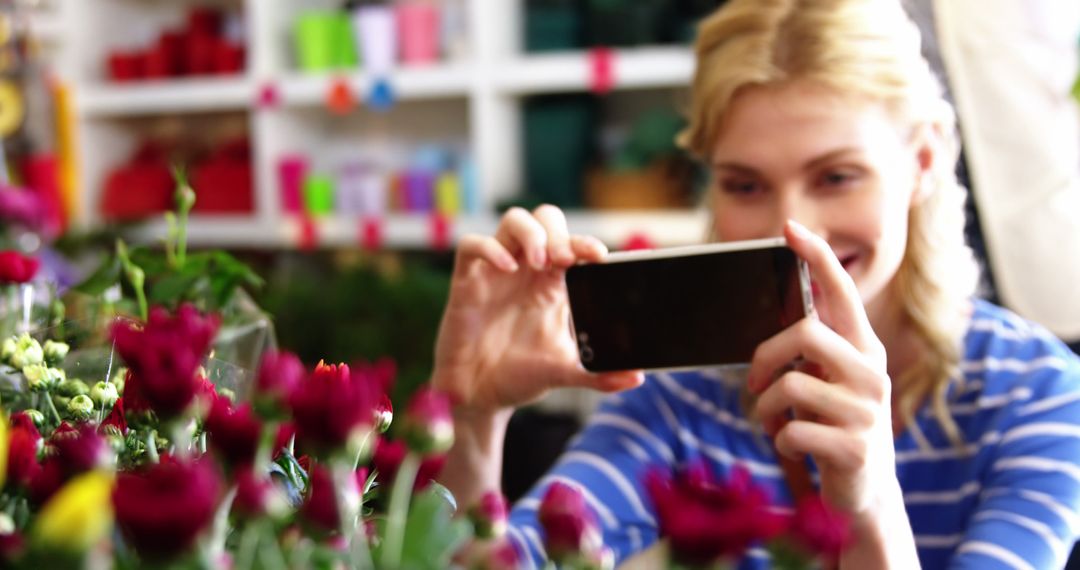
105, 276
432, 535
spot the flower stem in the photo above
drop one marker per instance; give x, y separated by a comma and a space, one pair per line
52, 408
151, 446
349, 513
220, 528
399, 510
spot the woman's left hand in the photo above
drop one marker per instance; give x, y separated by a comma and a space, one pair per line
835, 405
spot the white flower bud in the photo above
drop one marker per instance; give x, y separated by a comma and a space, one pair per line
55, 352
28, 352
104, 394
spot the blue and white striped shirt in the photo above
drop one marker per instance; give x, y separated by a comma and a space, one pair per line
1009, 498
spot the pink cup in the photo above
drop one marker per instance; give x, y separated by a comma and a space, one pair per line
291, 172
418, 32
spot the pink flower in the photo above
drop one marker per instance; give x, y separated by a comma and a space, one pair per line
162, 510
12, 547
707, 520
489, 515
164, 355
280, 373
22, 207
16, 267
388, 457
233, 432
570, 530
332, 409
321, 507
819, 529
428, 427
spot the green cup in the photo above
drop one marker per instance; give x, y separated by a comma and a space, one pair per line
324, 40
318, 194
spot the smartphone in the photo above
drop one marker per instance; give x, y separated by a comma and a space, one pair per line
686, 307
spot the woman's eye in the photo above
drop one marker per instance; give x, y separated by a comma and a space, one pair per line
740, 187
839, 179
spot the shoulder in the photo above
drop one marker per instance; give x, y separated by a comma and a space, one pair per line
1005, 355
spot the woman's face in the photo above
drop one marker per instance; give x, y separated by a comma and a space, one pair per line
837, 165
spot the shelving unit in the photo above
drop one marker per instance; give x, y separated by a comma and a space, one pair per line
473, 103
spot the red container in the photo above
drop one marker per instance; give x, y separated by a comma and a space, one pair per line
223, 187
136, 191
125, 65
230, 58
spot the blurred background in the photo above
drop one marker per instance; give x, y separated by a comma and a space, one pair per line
340, 148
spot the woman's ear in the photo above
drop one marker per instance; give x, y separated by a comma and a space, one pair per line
927, 143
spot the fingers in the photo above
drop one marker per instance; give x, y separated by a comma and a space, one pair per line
838, 291
558, 236
838, 359
813, 399
472, 247
615, 381
829, 445
588, 248
541, 238
522, 234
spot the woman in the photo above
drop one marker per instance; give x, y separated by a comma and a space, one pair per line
947, 428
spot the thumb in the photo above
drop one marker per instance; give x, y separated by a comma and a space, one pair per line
616, 381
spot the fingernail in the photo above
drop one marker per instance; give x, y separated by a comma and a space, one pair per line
508, 263
798, 229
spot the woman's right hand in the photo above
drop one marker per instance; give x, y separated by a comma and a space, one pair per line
505, 336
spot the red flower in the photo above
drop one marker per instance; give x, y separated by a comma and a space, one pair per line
384, 414
332, 409
321, 507
257, 497
22, 207
500, 556
819, 529
706, 520
24, 441
428, 426
47, 481
489, 515
12, 547
163, 509
280, 373
388, 456
16, 267
570, 530
116, 419
79, 449
233, 432
164, 356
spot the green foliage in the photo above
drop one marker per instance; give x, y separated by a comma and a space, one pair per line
432, 534
372, 309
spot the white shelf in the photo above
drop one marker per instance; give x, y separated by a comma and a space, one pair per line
414, 231
150, 97
437, 81
47, 26
640, 68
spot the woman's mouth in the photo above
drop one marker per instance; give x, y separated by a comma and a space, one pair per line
847, 261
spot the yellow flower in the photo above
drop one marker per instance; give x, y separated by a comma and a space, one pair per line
79, 515
3, 448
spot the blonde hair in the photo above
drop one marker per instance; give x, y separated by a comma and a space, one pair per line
869, 49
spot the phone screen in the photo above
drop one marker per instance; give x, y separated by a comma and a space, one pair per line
700, 309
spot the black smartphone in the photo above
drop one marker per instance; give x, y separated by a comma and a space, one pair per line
686, 307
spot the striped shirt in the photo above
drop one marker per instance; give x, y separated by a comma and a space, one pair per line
1008, 498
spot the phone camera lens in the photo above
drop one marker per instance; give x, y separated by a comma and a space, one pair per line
586, 353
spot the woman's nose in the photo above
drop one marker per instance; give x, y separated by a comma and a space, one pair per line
792, 205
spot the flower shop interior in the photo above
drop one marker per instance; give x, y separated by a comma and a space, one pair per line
292, 178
